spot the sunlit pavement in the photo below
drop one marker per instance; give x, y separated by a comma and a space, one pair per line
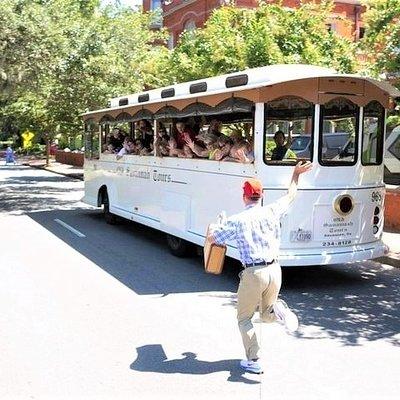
112, 315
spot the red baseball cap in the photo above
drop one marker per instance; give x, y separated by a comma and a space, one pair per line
252, 188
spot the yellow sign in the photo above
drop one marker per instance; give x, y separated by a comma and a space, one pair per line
27, 138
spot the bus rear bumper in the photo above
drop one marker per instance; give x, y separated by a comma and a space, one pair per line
335, 255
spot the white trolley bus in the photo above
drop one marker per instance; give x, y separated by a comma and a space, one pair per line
337, 121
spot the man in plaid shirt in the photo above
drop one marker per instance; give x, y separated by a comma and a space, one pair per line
256, 231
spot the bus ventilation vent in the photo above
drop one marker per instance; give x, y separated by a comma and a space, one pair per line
237, 80
168, 93
123, 102
143, 97
198, 87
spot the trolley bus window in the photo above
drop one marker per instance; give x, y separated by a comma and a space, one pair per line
288, 128
338, 127
91, 139
372, 139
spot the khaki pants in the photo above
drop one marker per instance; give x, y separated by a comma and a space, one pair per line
259, 287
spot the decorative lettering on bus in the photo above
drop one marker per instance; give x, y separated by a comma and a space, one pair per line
154, 175
160, 177
338, 227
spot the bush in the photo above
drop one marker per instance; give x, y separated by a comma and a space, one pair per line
37, 149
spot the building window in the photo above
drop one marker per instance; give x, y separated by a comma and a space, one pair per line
331, 27
361, 33
155, 5
189, 26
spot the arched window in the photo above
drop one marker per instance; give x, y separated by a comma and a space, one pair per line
189, 26
288, 130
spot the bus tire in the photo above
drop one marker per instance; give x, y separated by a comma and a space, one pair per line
110, 218
178, 247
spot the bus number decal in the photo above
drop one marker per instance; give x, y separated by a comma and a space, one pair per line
376, 197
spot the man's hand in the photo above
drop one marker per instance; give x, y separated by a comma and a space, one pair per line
301, 168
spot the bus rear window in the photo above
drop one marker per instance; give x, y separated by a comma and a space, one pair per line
372, 139
288, 130
338, 137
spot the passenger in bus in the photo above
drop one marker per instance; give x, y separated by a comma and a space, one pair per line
241, 151
209, 141
245, 154
140, 149
146, 132
128, 148
224, 147
183, 132
109, 149
282, 145
186, 152
215, 127
116, 139
161, 142
173, 150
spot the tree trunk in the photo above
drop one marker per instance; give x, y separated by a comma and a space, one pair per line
47, 152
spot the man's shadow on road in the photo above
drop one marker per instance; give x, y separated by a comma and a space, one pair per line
152, 358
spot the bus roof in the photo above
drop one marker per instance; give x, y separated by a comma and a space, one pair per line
234, 82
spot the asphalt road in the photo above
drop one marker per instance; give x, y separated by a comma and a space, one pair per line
105, 312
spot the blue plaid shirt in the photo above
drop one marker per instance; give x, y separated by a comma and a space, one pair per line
257, 231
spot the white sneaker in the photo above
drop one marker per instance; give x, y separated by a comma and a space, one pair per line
285, 316
251, 366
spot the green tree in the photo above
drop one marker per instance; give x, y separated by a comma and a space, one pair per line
382, 40
236, 38
71, 55
381, 44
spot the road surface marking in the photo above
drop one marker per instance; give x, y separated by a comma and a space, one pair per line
70, 228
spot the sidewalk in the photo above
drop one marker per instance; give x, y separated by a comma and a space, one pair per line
56, 167
392, 239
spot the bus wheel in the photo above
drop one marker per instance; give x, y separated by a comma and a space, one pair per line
177, 246
108, 217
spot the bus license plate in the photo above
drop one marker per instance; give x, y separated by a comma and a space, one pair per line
300, 236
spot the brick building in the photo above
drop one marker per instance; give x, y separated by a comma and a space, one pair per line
180, 15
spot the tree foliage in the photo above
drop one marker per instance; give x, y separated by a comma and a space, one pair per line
237, 38
382, 41
61, 57
381, 45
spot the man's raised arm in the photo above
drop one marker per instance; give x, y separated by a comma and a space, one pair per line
298, 170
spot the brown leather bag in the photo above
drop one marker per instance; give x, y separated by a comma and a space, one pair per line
214, 256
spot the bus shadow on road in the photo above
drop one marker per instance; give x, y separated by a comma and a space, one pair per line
350, 303
136, 255
152, 358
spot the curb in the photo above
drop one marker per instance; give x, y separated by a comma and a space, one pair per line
391, 259
69, 175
